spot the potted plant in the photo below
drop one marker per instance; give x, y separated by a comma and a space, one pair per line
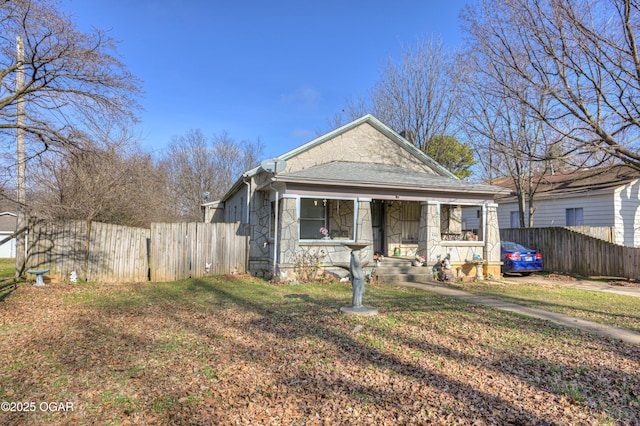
325, 233
377, 258
418, 260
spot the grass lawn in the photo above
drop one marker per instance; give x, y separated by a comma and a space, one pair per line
7, 273
7, 268
596, 306
242, 351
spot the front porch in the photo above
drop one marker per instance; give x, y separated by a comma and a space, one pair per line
397, 229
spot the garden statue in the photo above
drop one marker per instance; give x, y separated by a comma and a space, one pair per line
357, 278
356, 274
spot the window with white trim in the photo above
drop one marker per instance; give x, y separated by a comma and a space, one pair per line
454, 228
327, 219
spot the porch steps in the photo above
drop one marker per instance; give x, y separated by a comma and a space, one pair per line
399, 269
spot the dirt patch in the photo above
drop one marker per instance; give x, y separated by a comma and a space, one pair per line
553, 278
559, 278
630, 283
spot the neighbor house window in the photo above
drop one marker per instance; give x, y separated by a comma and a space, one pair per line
515, 219
336, 217
575, 217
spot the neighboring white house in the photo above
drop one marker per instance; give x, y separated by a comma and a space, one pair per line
588, 197
7, 227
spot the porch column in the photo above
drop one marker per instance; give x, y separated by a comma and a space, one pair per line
429, 243
364, 224
491, 240
423, 244
288, 233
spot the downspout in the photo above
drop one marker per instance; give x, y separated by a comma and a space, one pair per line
275, 232
485, 248
248, 225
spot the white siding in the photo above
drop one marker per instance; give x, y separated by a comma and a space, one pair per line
235, 208
598, 210
627, 214
7, 249
471, 217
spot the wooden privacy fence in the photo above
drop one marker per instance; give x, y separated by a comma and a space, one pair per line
605, 233
114, 253
183, 250
95, 251
567, 251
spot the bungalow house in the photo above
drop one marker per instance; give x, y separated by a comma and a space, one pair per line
597, 197
361, 183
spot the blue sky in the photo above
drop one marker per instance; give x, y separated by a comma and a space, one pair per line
274, 70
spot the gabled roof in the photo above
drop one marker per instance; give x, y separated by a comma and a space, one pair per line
8, 221
579, 181
378, 174
377, 124
344, 173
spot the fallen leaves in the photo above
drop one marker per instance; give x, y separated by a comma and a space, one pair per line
214, 352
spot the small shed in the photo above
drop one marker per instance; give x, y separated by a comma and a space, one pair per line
8, 223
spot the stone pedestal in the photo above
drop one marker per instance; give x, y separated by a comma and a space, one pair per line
479, 266
365, 311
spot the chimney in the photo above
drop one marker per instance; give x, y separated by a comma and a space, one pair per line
409, 135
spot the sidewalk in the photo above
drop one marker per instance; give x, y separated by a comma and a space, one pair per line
562, 319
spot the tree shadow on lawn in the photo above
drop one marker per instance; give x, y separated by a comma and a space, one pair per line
6, 288
468, 398
108, 342
577, 371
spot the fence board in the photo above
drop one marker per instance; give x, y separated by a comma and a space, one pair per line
114, 253
59, 247
567, 251
118, 253
183, 250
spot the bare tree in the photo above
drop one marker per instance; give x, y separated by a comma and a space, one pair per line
51, 77
112, 182
196, 164
509, 142
69, 75
419, 95
190, 168
580, 55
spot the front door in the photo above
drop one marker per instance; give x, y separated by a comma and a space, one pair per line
377, 223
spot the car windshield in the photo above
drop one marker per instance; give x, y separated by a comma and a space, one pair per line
509, 246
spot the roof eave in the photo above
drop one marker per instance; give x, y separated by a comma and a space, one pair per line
439, 189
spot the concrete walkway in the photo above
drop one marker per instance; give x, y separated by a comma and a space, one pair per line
562, 319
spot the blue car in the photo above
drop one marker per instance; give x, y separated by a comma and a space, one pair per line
517, 258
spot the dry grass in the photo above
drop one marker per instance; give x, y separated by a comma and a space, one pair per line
228, 351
